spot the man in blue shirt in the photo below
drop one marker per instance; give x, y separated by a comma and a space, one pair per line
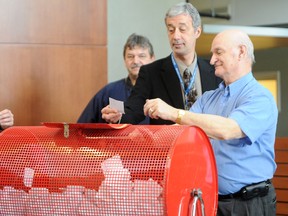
137, 51
240, 117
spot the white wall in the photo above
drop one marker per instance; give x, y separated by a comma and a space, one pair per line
144, 17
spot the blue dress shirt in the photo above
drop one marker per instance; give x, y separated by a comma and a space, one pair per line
248, 160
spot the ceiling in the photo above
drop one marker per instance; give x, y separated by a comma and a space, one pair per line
214, 12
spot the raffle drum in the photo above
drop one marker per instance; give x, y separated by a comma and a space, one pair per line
107, 170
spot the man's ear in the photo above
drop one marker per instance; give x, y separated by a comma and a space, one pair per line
242, 51
198, 32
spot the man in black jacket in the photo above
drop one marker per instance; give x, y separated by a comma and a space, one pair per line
164, 78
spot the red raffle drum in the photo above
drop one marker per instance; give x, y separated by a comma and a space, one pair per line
107, 169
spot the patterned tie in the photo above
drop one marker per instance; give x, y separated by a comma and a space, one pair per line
186, 77
192, 95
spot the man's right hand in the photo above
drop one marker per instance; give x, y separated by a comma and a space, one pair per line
111, 115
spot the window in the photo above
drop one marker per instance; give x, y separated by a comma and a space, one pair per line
271, 80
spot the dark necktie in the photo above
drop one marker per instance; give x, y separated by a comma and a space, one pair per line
186, 77
192, 94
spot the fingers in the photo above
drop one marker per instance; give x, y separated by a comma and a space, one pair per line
147, 109
152, 113
107, 110
157, 108
111, 115
151, 108
6, 119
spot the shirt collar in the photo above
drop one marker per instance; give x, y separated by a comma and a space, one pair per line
237, 86
128, 82
182, 66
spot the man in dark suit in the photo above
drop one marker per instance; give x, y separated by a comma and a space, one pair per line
165, 78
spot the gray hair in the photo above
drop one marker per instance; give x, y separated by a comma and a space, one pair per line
185, 8
138, 40
244, 39
250, 49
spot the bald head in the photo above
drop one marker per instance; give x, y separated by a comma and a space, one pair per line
236, 38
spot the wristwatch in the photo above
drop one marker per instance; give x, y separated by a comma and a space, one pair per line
181, 113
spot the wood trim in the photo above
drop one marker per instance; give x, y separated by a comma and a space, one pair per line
282, 195
280, 182
281, 143
282, 209
280, 179
281, 156
282, 170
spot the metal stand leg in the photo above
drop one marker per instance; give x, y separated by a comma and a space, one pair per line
197, 195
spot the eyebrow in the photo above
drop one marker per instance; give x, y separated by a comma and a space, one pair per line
180, 24
216, 49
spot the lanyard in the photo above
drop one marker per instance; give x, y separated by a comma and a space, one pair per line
186, 91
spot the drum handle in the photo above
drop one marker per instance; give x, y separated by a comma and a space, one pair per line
197, 195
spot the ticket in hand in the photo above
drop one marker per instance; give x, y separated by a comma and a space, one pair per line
116, 104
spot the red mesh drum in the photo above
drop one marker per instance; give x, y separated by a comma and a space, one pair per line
106, 169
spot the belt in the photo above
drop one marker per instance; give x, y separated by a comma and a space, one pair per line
250, 191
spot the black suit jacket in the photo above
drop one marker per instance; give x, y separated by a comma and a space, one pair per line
159, 80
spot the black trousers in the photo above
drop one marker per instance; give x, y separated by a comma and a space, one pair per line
257, 206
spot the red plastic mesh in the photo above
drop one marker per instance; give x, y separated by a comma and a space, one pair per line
90, 172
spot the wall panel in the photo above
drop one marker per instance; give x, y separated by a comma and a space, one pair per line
49, 83
53, 57
53, 21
